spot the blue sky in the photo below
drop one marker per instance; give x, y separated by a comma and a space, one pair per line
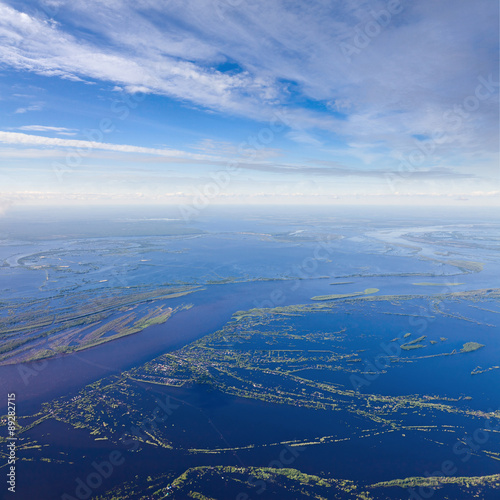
249, 101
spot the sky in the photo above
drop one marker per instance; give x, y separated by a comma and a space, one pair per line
249, 101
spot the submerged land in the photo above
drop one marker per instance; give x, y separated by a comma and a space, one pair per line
294, 392
285, 356
36, 329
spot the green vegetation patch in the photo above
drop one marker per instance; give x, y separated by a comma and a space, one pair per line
492, 481
336, 296
471, 347
345, 295
288, 484
409, 347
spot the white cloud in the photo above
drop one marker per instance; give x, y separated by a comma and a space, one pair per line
303, 137
39, 46
45, 128
425, 62
33, 107
87, 146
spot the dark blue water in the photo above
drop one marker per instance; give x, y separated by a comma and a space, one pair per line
234, 243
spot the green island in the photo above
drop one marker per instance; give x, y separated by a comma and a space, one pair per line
206, 483
478, 370
409, 347
345, 295
465, 266
465, 484
416, 341
471, 347
413, 344
30, 331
